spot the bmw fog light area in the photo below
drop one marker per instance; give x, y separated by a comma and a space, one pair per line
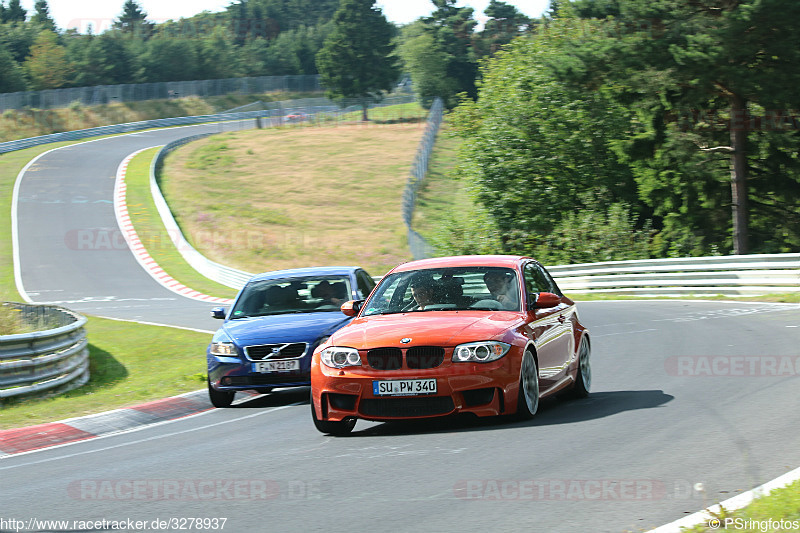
480, 352
339, 357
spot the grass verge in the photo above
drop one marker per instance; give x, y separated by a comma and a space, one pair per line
153, 234
441, 193
123, 357
779, 505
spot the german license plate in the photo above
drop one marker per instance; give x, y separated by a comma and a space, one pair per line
403, 387
276, 366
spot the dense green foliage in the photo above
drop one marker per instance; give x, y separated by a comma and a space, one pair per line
356, 60
650, 120
442, 52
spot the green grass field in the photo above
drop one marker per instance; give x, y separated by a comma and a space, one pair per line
297, 196
24, 123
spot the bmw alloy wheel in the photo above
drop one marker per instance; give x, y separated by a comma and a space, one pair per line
528, 402
583, 379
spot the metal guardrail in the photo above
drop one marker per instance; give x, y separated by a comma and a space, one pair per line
21, 144
135, 92
271, 110
53, 360
227, 276
420, 248
733, 275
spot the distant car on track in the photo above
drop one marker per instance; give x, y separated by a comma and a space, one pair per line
276, 321
295, 117
486, 335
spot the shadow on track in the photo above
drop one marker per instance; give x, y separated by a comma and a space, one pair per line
551, 412
276, 398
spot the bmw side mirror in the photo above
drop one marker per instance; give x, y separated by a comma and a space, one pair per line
351, 307
544, 300
218, 312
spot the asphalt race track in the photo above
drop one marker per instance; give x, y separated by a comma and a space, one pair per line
71, 251
684, 393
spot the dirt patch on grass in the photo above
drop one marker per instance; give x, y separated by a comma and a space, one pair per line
283, 198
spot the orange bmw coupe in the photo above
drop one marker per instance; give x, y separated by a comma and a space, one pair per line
487, 335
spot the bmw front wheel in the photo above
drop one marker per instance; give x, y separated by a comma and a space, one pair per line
528, 400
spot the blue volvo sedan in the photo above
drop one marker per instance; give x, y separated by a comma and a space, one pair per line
274, 325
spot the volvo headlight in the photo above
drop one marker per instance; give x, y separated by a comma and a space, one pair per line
225, 349
480, 352
340, 357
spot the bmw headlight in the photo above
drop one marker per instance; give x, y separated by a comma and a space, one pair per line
225, 349
480, 352
340, 357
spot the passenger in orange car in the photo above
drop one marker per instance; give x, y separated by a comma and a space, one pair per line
502, 287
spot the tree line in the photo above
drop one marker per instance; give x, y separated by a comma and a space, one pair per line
624, 129
248, 38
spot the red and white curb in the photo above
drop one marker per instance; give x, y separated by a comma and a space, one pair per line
26, 439
138, 249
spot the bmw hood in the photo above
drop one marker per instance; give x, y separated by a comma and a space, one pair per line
431, 328
296, 327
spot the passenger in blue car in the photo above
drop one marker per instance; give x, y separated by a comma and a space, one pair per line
330, 293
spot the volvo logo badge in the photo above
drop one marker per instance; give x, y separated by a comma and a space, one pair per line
405, 340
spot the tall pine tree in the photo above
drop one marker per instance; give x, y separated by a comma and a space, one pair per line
357, 59
133, 20
42, 16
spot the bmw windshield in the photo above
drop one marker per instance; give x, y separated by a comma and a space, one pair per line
446, 289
